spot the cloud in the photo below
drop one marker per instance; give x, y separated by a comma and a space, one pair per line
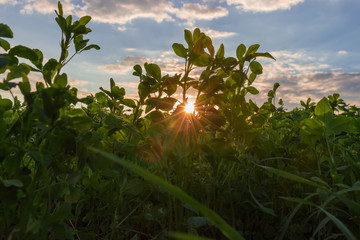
263, 5
342, 52
125, 11
122, 12
47, 6
11, 2
125, 65
217, 34
195, 11
301, 76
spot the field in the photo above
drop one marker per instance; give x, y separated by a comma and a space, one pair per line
109, 167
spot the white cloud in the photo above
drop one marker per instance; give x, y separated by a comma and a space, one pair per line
342, 52
125, 65
11, 2
121, 28
195, 11
301, 76
122, 12
47, 6
125, 11
263, 5
217, 34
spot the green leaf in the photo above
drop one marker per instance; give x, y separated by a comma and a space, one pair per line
49, 70
101, 97
153, 70
84, 20
176, 192
128, 102
38, 62
203, 60
240, 51
91, 46
221, 52
323, 107
138, 70
18, 71
252, 90
267, 55
339, 124
252, 49
143, 90
252, 78
13, 183
118, 92
112, 83
5, 104
256, 67
60, 8
25, 85
61, 80
179, 50
3, 61
276, 86
165, 104
61, 22
24, 52
5, 31
188, 38
4, 44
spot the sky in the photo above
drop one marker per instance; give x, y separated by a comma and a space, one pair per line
316, 43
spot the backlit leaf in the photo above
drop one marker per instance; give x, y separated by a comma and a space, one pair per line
240, 51
322, 107
3, 61
4, 44
24, 52
188, 37
221, 52
179, 50
5, 31
256, 67
252, 49
153, 70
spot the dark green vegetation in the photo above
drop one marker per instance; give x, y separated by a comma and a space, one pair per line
118, 168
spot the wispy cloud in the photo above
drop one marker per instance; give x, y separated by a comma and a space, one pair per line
302, 75
342, 52
11, 2
125, 11
218, 34
124, 66
46, 6
195, 11
263, 5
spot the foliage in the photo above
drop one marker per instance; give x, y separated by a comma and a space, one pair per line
108, 167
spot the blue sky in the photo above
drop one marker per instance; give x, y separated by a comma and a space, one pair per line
315, 42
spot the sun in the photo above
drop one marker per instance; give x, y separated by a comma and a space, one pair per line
190, 107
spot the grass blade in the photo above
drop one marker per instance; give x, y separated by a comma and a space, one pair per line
292, 177
348, 234
213, 217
